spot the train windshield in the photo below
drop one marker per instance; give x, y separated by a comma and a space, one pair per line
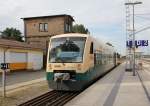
67, 49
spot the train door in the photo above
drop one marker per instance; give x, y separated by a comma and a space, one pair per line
92, 55
37, 60
115, 58
18, 60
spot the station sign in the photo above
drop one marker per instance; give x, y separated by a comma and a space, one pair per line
4, 66
137, 43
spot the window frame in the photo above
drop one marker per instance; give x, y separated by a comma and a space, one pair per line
43, 27
84, 39
67, 27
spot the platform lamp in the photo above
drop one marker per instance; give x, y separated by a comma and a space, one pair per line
133, 32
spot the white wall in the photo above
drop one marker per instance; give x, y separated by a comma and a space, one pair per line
18, 57
1, 55
34, 58
37, 59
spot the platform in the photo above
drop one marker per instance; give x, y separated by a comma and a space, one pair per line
22, 76
23, 86
24, 93
118, 88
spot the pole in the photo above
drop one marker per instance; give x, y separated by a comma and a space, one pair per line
133, 44
4, 77
133, 40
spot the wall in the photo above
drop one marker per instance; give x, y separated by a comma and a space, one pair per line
1, 55
20, 59
55, 26
35, 60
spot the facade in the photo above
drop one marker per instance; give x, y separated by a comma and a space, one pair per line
38, 30
20, 55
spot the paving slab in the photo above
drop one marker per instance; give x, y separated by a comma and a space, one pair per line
22, 76
23, 94
144, 75
10, 88
117, 88
131, 92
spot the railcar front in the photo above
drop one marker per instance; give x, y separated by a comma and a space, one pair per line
65, 62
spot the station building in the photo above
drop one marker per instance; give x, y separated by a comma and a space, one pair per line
38, 30
21, 55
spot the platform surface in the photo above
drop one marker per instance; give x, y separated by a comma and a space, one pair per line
117, 88
23, 86
23, 94
22, 76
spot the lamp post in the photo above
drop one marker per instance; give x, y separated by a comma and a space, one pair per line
133, 32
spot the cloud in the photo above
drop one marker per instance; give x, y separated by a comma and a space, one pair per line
85, 11
104, 18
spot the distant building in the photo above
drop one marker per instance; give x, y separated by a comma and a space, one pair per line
146, 56
21, 55
39, 29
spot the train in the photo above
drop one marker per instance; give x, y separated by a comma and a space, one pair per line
75, 60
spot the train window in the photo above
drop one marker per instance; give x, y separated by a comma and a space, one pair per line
95, 60
67, 49
91, 48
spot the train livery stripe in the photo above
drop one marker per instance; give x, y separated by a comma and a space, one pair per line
89, 74
49, 75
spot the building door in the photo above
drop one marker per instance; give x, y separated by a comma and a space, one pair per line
18, 60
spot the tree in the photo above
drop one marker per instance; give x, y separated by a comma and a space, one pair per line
11, 33
79, 28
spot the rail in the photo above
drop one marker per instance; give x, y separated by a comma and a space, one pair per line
52, 98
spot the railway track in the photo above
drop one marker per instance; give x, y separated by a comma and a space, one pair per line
52, 98
55, 98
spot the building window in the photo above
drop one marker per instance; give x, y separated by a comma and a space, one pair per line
67, 27
43, 27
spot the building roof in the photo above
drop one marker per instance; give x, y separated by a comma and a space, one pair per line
49, 16
19, 45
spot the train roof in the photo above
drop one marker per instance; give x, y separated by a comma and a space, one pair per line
71, 35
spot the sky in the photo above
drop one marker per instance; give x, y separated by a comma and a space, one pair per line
105, 19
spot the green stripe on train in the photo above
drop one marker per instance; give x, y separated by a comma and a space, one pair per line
79, 76
88, 75
49, 75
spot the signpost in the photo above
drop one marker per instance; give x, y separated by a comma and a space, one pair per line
133, 31
4, 66
137, 43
